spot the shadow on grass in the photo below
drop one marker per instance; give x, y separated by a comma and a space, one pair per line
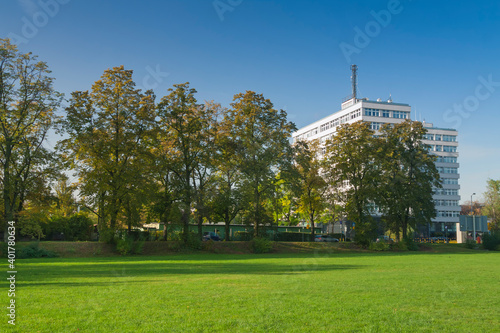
31, 275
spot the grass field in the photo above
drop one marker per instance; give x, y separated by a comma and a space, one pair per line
346, 292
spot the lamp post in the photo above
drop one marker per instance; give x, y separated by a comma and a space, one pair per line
473, 219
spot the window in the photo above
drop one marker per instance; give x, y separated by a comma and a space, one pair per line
447, 170
450, 181
450, 149
447, 213
400, 114
441, 202
386, 113
375, 126
439, 148
437, 137
450, 138
445, 191
372, 112
446, 159
429, 137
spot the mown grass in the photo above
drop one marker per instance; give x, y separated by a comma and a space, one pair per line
322, 292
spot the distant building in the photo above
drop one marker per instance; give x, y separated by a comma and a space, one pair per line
442, 142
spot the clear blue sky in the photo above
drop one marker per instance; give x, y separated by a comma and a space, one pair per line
433, 55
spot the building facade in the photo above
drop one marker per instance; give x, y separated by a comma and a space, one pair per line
442, 142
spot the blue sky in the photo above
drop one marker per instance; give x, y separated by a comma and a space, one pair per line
441, 57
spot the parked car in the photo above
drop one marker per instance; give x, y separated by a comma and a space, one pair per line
325, 238
210, 235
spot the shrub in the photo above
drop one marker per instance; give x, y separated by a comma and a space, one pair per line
410, 244
77, 227
470, 244
261, 245
30, 225
34, 251
491, 241
379, 246
399, 246
128, 245
243, 235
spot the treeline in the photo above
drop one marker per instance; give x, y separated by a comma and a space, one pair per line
177, 160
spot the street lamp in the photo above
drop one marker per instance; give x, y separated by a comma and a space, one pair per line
473, 219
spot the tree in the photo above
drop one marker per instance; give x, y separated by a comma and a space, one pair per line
351, 164
108, 129
184, 128
310, 182
492, 203
261, 138
408, 175
27, 112
227, 199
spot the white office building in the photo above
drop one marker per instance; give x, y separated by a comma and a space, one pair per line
442, 141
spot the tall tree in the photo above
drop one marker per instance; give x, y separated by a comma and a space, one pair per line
27, 112
408, 175
184, 131
492, 203
107, 129
261, 136
351, 164
311, 185
227, 199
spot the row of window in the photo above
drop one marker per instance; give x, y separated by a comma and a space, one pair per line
448, 149
447, 170
306, 135
386, 113
445, 191
446, 202
446, 159
450, 181
447, 213
440, 137
341, 120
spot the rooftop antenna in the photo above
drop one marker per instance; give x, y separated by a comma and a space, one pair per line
354, 81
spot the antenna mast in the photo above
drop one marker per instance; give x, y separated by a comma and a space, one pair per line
354, 80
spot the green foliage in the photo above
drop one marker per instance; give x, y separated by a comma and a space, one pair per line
491, 241
399, 246
407, 175
310, 184
470, 244
379, 246
30, 225
107, 130
492, 203
28, 103
74, 228
128, 245
33, 250
261, 137
351, 158
411, 244
243, 236
261, 245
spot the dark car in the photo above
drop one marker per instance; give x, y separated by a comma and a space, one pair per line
325, 238
210, 235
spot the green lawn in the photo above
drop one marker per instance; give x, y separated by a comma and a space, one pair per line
347, 292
